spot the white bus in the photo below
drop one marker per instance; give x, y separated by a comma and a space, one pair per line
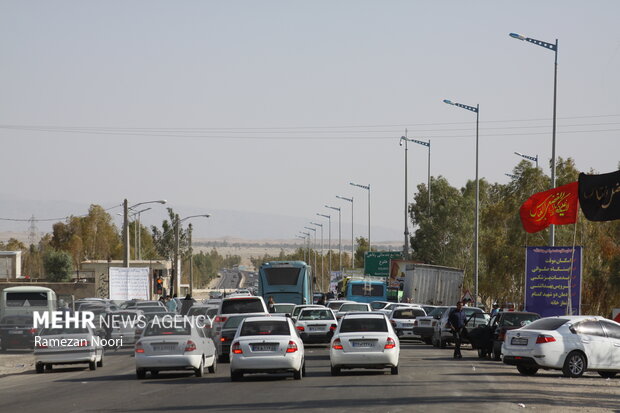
26, 300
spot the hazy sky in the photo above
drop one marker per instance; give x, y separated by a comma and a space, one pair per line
275, 106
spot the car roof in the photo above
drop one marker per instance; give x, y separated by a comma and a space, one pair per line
266, 318
373, 314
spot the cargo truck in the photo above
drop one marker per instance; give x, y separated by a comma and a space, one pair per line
432, 284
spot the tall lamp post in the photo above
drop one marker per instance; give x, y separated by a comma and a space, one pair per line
307, 236
322, 260
339, 236
529, 158
476, 110
554, 48
366, 187
177, 273
126, 243
329, 243
314, 248
304, 244
352, 241
137, 231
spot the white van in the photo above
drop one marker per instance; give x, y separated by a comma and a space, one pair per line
27, 300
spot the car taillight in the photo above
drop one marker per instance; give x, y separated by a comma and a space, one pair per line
300, 328
139, 348
33, 331
337, 345
390, 343
190, 346
220, 319
224, 339
543, 338
236, 348
292, 347
415, 323
333, 327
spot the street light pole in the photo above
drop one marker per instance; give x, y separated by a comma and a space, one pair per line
304, 246
329, 243
554, 48
322, 258
126, 243
366, 187
352, 241
314, 248
529, 158
476, 110
339, 236
307, 238
176, 281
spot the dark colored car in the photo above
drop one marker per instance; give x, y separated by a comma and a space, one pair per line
488, 339
17, 331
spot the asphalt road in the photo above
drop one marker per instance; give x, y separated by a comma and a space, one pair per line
229, 280
429, 380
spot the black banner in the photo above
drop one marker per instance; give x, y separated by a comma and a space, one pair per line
599, 196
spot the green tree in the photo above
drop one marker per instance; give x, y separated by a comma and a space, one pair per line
58, 265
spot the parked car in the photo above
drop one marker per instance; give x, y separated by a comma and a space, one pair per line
267, 345
573, 344
174, 346
442, 334
402, 319
283, 308
316, 325
74, 345
17, 331
226, 334
488, 338
364, 340
352, 307
424, 327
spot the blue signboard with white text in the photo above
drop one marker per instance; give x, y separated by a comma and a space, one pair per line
547, 274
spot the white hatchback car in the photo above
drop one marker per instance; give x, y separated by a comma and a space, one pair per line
173, 343
316, 325
573, 344
352, 307
402, 319
366, 341
267, 345
67, 346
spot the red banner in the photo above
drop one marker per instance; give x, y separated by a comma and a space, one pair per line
557, 206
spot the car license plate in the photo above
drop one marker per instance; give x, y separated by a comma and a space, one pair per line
362, 344
425, 323
15, 331
264, 347
318, 328
164, 347
407, 325
518, 341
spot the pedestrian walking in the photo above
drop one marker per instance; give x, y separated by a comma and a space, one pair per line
456, 322
187, 303
171, 304
271, 305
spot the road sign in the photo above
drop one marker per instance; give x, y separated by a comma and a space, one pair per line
377, 263
467, 297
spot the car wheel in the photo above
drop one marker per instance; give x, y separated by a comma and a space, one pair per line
607, 374
48, 367
394, 370
235, 375
527, 371
496, 353
154, 373
39, 367
140, 373
200, 371
100, 362
92, 365
574, 365
441, 343
298, 374
335, 371
427, 340
213, 366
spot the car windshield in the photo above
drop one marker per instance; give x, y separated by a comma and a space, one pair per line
334, 305
546, 324
168, 329
518, 320
242, 305
234, 321
438, 311
360, 325
70, 330
265, 328
316, 315
153, 310
284, 308
196, 311
377, 305
354, 307
408, 313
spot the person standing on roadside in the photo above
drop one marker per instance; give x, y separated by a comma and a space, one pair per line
271, 305
456, 322
171, 305
186, 304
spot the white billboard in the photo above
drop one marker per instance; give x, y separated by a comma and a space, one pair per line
129, 283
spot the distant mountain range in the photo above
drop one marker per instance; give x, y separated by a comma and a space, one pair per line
222, 224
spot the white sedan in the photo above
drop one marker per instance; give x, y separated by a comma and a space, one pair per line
72, 345
316, 325
174, 344
266, 345
573, 344
352, 306
365, 341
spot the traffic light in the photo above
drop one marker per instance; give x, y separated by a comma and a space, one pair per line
159, 285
